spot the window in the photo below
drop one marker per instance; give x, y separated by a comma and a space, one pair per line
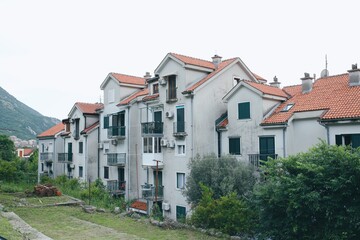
267, 148
180, 180
81, 146
106, 122
111, 95
180, 119
352, 140
171, 94
106, 172
244, 110
42, 167
155, 88
287, 107
42, 147
81, 171
181, 149
234, 146
77, 129
67, 127
151, 145
180, 213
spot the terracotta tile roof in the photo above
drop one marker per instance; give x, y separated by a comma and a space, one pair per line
259, 77
292, 90
89, 108
52, 131
122, 78
332, 94
133, 96
91, 127
221, 66
28, 151
139, 205
150, 97
267, 89
194, 61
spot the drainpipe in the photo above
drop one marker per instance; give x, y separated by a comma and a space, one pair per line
219, 142
85, 171
284, 141
327, 131
128, 151
192, 126
98, 154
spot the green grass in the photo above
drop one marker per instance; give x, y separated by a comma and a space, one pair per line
6, 230
64, 222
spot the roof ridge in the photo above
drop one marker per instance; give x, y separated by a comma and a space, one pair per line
172, 53
126, 75
336, 75
87, 103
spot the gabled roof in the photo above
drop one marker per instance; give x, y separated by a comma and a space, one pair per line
28, 151
51, 132
266, 89
150, 97
90, 128
194, 61
123, 78
331, 94
260, 78
222, 121
89, 108
133, 96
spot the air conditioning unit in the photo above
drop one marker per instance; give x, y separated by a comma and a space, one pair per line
171, 144
162, 81
169, 114
72, 165
163, 142
114, 142
166, 206
101, 146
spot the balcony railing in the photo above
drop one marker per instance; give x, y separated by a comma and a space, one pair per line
179, 129
47, 156
65, 157
152, 128
116, 132
116, 187
257, 159
116, 159
149, 192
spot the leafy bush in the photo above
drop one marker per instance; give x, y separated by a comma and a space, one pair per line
312, 195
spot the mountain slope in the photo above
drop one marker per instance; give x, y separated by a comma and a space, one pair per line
20, 120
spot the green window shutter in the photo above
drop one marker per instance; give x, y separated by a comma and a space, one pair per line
338, 140
234, 146
244, 110
106, 122
180, 213
355, 140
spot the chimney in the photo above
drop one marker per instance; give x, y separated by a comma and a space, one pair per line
147, 75
354, 76
216, 60
275, 83
307, 83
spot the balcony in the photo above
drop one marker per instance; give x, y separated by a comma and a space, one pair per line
47, 157
65, 157
116, 159
171, 96
116, 187
152, 128
179, 129
148, 192
116, 132
257, 159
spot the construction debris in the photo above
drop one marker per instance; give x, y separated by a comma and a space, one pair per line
46, 190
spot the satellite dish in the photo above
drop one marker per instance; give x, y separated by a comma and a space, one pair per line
324, 73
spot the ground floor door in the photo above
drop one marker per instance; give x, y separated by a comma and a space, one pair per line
267, 147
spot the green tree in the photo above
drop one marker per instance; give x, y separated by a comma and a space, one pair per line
7, 149
313, 195
222, 175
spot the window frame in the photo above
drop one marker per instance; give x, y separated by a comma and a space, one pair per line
81, 171
180, 185
230, 145
106, 172
81, 147
248, 114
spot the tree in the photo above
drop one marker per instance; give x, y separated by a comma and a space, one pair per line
7, 149
222, 175
313, 195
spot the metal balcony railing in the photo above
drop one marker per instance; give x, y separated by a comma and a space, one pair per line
116, 132
152, 128
149, 191
65, 157
116, 159
257, 159
116, 187
47, 156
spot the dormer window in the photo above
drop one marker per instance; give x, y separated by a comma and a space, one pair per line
155, 88
287, 107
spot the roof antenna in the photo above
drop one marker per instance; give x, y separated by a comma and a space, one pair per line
325, 72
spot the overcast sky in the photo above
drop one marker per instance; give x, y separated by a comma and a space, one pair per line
55, 53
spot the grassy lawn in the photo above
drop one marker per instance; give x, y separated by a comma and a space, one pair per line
65, 222
6, 230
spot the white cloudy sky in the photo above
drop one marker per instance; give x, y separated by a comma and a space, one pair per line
54, 53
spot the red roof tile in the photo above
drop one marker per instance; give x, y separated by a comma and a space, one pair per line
89, 108
259, 77
267, 89
150, 97
122, 78
133, 96
332, 94
194, 61
91, 127
52, 131
28, 151
221, 66
139, 205
292, 90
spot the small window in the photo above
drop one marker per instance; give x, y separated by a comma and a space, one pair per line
42, 167
111, 96
287, 107
244, 110
106, 172
180, 214
81, 171
81, 147
180, 180
155, 88
234, 146
181, 149
106, 122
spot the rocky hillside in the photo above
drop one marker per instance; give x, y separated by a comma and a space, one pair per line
20, 120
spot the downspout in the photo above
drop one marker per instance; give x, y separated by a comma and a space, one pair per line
192, 126
86, 158
327, 131
98, 154
219, 142
54, 156
284, 141
128, 151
